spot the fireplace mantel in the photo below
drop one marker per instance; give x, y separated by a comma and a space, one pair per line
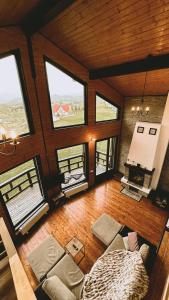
138, 167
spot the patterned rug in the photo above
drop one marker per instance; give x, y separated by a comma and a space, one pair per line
132, 195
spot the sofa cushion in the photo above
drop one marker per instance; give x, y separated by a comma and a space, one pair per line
144, 251
69, 273
126, 243
106, 228
45, 256
116, 244
133, 241
56, 289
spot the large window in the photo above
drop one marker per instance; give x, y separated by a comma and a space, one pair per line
12, 108
72, 163
105, 110
21, 191
67, 97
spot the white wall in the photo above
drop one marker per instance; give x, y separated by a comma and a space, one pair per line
162, 145
143, 145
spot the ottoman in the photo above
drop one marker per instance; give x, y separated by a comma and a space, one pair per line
106, 228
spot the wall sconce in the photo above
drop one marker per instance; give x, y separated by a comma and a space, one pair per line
92, 139
12, 139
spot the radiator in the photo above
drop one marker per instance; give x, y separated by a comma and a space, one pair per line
34, 219
76, 189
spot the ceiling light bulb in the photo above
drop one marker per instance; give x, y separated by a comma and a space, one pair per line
13, 135
133, 108
147, 109
2, 131
138, 108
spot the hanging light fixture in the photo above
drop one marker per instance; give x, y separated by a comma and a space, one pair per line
12, 141
140, 110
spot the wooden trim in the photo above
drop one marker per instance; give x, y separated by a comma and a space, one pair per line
43, 13
22, 286
143, 65
165, 295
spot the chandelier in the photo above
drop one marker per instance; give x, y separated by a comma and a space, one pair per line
140, 111
5, 141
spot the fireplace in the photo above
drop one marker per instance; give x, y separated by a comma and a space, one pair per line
136, 175
137, 178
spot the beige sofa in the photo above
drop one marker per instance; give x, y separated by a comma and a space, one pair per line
60, 277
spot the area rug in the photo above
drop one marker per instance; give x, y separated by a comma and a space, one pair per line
131, 194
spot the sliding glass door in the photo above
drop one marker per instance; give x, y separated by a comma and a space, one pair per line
105, 156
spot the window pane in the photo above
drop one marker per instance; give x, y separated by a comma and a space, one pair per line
105, 111
12, 109
71, 162
101, 157
67, 98
21, 191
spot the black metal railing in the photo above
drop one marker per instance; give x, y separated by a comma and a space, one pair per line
101, 159
72, 163
16, 185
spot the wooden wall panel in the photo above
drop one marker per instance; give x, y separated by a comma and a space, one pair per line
45, 139
31, 145
75, 135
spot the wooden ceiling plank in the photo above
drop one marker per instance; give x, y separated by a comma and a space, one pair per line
142, 37
134, 15
144, 65
128, 30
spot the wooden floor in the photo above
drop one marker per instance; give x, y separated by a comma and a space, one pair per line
77, 216
23, 203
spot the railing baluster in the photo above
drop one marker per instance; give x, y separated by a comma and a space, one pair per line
29, 179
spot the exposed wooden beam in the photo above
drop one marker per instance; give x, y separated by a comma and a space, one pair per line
148, 64
44, 12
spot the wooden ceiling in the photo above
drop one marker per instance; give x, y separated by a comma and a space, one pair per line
105, 33
102, 33
157, 83
12, 12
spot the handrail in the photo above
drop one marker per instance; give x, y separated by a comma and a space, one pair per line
18, 187
71, 165
22, 285
71, 157
16, 177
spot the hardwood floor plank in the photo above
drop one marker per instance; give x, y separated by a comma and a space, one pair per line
79, 213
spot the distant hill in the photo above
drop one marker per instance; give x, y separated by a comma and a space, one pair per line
65, 99
8, 99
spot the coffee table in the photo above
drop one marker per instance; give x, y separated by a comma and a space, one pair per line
76, 249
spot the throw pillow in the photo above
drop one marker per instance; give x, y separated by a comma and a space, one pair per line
57, 290
133, 241
144, 251
126, 243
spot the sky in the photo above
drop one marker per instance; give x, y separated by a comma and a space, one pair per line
9, 80
59, 82
62, 84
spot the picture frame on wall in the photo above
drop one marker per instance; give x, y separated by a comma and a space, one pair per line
140, 129
152, 131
